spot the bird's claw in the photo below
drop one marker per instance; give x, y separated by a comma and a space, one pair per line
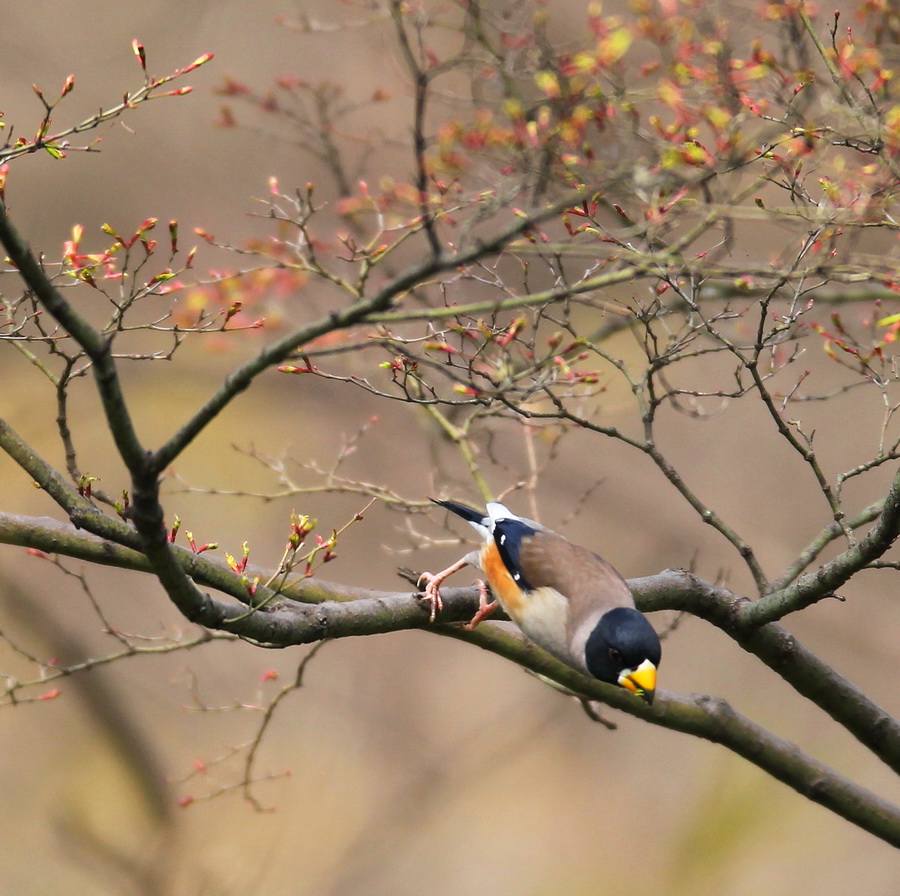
431, 592
485, 607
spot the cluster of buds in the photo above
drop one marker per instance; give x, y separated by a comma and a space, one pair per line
90, 266
400, 363
85, 484
324, 551
239, 566
84, 266
576, 376
301, 526
139, 234
197, 549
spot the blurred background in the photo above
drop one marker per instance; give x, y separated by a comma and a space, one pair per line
406, 763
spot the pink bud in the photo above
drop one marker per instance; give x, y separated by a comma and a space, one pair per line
138, 49
200, 60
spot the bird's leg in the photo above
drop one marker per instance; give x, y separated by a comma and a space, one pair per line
433, 581
485, 607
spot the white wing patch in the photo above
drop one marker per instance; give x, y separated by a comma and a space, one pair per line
516, 575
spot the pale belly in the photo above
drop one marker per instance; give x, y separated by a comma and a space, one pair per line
542, 616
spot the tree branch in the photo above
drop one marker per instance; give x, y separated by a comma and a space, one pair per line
825, 581
871, 725
310, 610
828, 534
715, 720
96, 347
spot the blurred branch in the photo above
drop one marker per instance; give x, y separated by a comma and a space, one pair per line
422, 75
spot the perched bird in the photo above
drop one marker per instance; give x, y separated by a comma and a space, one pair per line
564, 598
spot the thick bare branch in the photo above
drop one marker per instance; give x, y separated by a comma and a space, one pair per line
715, 720
778, 649
342, 612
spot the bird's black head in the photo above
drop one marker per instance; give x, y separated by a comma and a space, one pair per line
624, 649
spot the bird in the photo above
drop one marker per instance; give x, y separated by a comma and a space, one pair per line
564, 598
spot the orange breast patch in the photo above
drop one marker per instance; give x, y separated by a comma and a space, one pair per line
503, 585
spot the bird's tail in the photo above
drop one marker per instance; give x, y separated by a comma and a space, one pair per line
476, 517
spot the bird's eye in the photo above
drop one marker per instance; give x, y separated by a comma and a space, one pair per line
614, 655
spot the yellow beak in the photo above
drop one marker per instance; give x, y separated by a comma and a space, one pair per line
641, 681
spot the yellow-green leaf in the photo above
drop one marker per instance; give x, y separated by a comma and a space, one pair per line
614, 46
